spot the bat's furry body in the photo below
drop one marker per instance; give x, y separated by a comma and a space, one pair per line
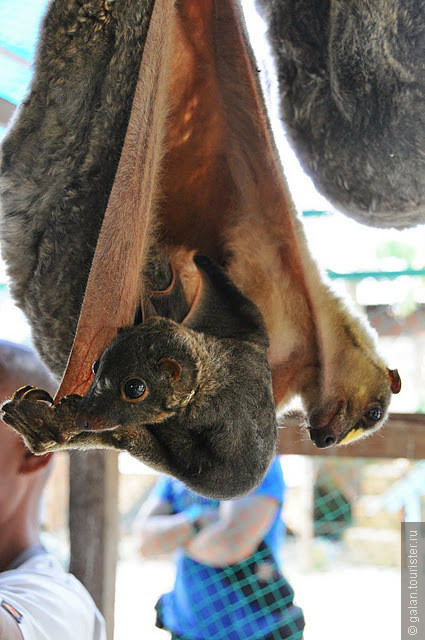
218, 189
215, 418
206, 413
60, 159
352, 87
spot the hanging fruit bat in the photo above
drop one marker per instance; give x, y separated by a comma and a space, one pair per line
198, 169
174, 392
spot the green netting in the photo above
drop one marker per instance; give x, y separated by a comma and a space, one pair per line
251, 599
335, 487
332, 511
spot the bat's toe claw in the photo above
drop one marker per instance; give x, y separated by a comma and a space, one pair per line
28, 412
19, 393
38, 394
26, 393
43, 425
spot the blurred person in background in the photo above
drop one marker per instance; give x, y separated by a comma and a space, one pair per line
228, 582
38, 599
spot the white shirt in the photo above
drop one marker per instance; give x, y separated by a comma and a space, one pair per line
47, 602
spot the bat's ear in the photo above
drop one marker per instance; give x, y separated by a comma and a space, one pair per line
395, 380
171, 367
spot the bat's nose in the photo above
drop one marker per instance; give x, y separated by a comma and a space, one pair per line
323, 438
83, 421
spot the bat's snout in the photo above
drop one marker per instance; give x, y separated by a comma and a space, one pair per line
325, 426
86, 422
323, 438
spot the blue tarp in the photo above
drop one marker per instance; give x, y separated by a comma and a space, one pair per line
19, 25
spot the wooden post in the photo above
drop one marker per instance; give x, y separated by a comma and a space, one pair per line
93, 525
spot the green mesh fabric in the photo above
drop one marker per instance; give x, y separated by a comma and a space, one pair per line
332, 511
238, 601
249, 599
335, 488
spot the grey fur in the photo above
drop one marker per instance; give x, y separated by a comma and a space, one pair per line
60, 157
352, 87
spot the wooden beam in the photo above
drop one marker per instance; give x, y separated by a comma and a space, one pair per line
6, 110
93, 526
403, 436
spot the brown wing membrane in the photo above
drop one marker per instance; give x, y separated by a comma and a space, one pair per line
198, 123
113, 286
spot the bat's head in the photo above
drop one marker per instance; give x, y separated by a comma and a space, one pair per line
153, 395
145, 376
353, 410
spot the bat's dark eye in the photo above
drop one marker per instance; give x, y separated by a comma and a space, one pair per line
95, 367
133, 389
374, 414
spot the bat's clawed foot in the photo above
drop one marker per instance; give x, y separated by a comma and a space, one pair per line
43, 425
31, 392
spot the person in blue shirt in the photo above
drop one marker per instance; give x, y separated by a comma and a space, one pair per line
228, 582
